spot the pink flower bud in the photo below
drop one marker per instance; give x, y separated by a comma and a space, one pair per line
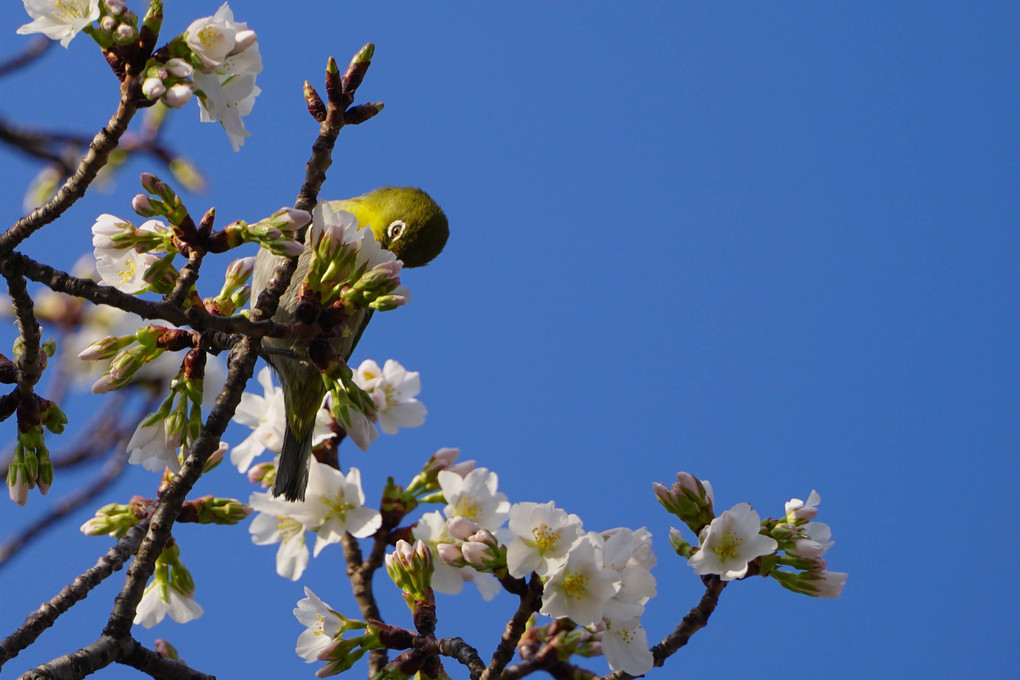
476, 554
449, 553
178, 95
462, 527
179, 68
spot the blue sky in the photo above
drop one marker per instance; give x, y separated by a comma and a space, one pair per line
772, 245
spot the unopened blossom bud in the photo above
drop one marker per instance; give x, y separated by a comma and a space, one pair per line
798, 511
240, 297
127, 363
287, 248
179, 68
18, 484
477, 554
462, 468
44, 476
690, 499
166, 650
443, 458
262, 473
679, 545
125, 34
289, 219
143, 205
103, 349
386, 303
462, 527
216, 457
450, 554
238, 272
108, 24
212, 510
154, 185
115, 7
806, 547
178, 94
410, 567
113, 520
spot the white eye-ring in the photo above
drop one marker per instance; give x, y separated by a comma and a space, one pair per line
396, 229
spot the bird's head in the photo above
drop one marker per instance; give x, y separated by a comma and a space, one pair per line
405, 220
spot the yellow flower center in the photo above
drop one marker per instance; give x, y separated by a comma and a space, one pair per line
626, 635
727, 547
575, 585
545, 538
209, 36
338, 504
392, 396
128, 272
468, 508
289, 528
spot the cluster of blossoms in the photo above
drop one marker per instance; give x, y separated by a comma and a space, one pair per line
216, 58
738, 538
393, 390
599, 580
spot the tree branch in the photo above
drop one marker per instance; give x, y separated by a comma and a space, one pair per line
696, 619
43, 618
530, 602
74, 188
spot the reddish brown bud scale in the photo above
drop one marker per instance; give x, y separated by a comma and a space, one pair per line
189, 512
424, 615
432, 667
409, 662
8, 371
334, 84
357, 115
357, 69
314, 102
28, 415
8, 404
392, 637
322, 354
142, 507
205, 225
194, 363
307, 308
176, 339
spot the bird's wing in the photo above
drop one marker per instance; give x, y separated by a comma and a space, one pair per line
367, 316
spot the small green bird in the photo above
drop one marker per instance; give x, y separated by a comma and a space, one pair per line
406, 221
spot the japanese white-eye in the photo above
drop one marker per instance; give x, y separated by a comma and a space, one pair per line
406, 221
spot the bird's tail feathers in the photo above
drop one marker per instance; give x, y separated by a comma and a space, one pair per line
292, 473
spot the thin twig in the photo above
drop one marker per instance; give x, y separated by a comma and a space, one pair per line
74, 188
197, 318
151, 663
186, 279
696, 619
530, 602
43, 618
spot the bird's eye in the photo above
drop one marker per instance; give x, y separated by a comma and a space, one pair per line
396, 229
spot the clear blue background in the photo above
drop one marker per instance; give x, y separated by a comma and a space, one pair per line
773, 244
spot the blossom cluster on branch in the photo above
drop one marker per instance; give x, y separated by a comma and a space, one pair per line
580, 592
